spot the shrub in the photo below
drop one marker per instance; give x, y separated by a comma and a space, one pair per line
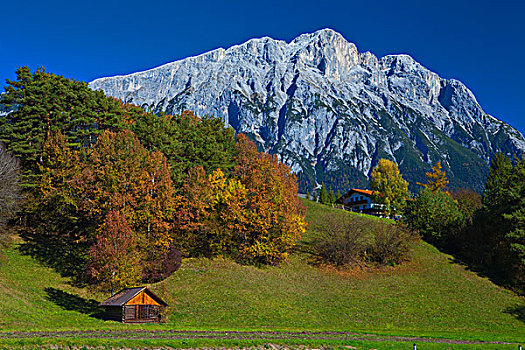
355, 240
391, 244
343, 241
164, 267
436, 216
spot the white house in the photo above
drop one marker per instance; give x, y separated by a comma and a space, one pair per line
361, 201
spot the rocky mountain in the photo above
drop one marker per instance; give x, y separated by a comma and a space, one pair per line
330, 111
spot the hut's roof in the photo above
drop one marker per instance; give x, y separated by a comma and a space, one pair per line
127, 294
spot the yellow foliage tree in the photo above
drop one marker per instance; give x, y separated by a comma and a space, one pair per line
436, 180
389, 186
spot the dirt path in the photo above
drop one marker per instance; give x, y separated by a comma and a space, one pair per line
238, 335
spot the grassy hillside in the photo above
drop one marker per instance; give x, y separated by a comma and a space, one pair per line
428, 296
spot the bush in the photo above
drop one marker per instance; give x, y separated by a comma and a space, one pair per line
343, 241
391, 244
436, 216
164, 267
355, 240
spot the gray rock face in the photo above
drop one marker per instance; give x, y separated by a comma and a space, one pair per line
329, 111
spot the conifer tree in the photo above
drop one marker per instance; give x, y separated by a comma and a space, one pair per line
323, 195
45, 103
331, 197
436, 180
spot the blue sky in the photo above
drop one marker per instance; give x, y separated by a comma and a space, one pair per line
481, 43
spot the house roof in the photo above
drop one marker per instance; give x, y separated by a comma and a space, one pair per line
127, 294
367, 192
352, 191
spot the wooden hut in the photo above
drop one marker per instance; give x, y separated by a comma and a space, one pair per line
134, 305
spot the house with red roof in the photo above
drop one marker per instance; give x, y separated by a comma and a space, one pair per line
360, 201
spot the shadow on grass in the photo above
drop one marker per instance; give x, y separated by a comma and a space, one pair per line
517, 311
65, 254
73, 302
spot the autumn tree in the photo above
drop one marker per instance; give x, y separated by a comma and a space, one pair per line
253, 216
121, 175
114, 258
275, 214
55, 229
436, 180
468, 201
388, 186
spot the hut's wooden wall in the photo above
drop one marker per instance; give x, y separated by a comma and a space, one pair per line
113, 313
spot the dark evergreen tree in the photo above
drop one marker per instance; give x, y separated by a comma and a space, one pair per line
188, 141
331, 197
45, 103
323, 195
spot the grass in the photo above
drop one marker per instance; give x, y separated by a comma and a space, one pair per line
37, 343
429, 296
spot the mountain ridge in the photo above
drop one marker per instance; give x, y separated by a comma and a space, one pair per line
328, 110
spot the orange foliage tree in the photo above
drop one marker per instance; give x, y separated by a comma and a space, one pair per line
121, 175
115, 258
275, 216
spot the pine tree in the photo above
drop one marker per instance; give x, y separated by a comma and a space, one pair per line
323, 195
331, 197
314, 196
338, 195
46, 103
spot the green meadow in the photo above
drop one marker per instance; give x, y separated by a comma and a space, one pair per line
428, 296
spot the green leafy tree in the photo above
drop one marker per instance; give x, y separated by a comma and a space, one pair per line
388, 186
436, 216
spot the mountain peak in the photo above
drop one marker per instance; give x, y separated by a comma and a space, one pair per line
329, 111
